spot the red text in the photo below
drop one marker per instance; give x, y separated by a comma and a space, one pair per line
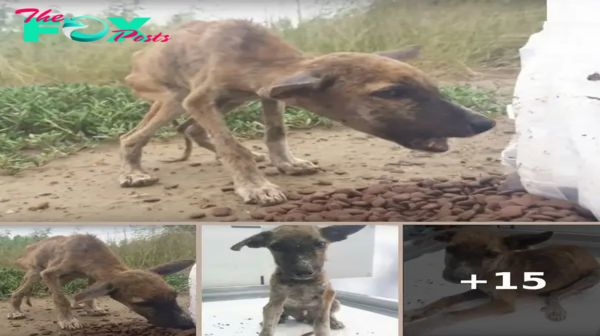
42, 17
137, 37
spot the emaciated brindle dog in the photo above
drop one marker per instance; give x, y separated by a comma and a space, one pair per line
567, 269
61, 259
299, 286
209, 68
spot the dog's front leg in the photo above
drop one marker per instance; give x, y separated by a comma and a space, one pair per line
238, 160
271, 313
494, 307
66, 320
322, 324
443, 303
275, 138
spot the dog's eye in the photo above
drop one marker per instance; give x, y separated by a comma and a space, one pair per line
319, 244
491, 254
393, 92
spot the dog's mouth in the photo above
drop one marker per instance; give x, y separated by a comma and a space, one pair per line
302, 277
433, 145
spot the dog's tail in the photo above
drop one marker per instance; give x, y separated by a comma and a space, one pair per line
187, 152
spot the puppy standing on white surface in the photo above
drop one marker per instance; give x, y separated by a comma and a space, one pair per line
299, 286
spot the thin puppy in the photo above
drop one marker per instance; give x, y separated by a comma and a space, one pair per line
567, 269
210, 68
61, 259
299, 287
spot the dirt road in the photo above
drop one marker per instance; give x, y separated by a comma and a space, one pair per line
41, 318
84, 187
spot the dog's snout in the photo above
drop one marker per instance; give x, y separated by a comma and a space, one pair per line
303, 273
480, 124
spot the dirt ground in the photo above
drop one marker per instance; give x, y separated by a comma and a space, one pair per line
41, 318
84, 187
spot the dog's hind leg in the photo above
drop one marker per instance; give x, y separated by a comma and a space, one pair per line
248, 181
91, 306
275, 138
553, 309
30, 278
132, 144
66, 320
443, 303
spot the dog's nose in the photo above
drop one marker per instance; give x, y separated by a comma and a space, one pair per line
303, 273
481, 124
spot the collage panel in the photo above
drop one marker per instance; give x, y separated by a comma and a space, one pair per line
525, 280
66, 280
272, 280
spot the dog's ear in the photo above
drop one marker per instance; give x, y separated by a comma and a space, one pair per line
444, 236
404, 54
299, 84
523, 241
257, 241
336, 233
94, 291
172, 267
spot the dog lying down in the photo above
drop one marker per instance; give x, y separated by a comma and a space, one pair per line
59, 260
567, 269
299, 287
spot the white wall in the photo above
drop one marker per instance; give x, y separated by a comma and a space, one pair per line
223, 267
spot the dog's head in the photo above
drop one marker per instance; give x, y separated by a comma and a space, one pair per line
299, 250
379, 94
146, 293
481, 251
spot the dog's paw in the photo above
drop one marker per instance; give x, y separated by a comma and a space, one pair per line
264, 195
297, 167
137, 180
336, 325
15, 316
96, 312
70, 324
554, 312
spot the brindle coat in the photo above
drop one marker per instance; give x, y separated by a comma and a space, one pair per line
567, 269
209, 68
59, 260
299, 286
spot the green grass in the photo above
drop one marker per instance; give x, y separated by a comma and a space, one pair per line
146, 248
41, 122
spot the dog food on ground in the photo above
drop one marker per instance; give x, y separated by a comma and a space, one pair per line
129, 329
469, 199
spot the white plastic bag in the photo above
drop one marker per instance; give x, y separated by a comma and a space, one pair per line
556, 147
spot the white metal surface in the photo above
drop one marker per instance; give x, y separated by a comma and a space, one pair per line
423, 284
242, 317
221, 266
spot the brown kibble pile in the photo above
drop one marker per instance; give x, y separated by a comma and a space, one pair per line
129, 329
469, 199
